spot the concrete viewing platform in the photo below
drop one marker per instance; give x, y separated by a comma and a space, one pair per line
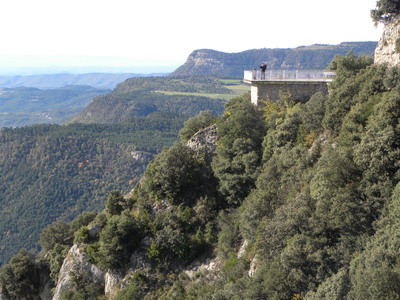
288, 75
299, 84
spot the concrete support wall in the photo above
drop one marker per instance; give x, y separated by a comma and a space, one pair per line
298, 91
254, 94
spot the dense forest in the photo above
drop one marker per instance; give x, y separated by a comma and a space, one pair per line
55, 172
50, 172
300, 201
206, 62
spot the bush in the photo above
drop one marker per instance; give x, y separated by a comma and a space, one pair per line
118, 239
385, 10
20, 278
176, 175
192, 125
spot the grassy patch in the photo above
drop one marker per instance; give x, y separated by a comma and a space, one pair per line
234, 85
214, 96
239, 88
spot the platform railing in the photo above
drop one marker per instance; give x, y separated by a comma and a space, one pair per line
288, 75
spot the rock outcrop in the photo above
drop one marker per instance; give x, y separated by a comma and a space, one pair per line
388, 49
206, 62
142, 157
112, 280
204, 142
76, 262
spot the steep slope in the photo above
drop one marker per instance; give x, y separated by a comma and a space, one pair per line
299, 201
388, 49
207, 62
57, 172
51, 172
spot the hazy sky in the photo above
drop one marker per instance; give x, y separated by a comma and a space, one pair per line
169, 30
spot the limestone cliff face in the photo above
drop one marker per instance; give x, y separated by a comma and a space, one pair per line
206, 62
203, 62
386, 50
76, 262
206, 59
111, 280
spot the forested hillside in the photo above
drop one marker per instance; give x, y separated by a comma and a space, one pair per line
50, 173
142, 96
206, 62
300, 201
26, 105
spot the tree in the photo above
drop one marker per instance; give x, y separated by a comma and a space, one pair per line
58, 232
378, 153
385, 10
118, 239
176, 175
20, 278
114, 203
240, 132
194, 124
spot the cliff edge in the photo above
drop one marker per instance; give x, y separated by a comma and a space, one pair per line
388, 49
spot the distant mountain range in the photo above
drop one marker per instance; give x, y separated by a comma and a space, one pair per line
50, 81
206, 62
11, 65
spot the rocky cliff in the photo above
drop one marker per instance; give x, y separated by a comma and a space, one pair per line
208, 62
388, 49
76, 267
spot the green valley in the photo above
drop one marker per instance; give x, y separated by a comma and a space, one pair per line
26, 106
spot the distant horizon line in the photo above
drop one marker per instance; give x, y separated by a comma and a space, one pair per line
52, 70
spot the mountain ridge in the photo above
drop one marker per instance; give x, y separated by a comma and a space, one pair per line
49, 81
208, 62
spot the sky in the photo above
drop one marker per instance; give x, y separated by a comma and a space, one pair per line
165, 32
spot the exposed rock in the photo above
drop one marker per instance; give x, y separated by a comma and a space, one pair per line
76, 261
386, 51
204, 142
115, 281
253, 266
243, 248
94, 230
112, 284
320, 142
142, 157
208, 264
139, 258
208, 62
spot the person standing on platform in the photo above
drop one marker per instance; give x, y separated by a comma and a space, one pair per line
263, 67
